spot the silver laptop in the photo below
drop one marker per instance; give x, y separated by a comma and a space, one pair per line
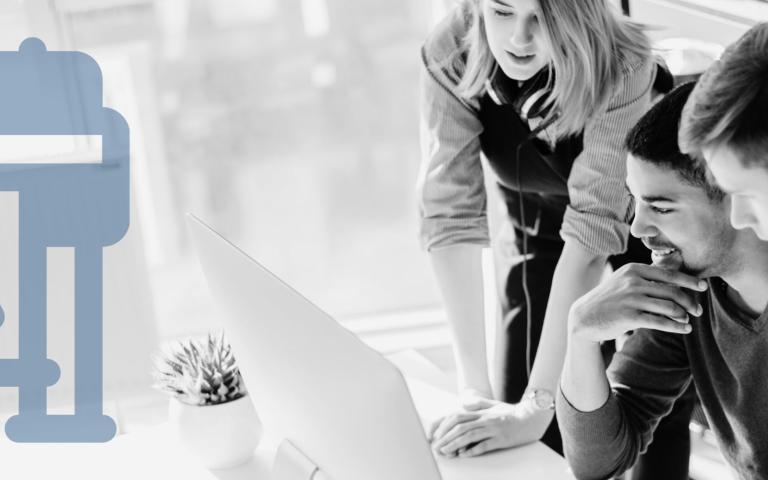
341, 403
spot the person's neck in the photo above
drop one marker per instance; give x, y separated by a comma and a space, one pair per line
748, 287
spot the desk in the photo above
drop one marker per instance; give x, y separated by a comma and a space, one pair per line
153, 453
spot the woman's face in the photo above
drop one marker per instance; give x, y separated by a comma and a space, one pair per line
516, 36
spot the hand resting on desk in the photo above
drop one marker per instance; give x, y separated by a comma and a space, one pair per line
487, 425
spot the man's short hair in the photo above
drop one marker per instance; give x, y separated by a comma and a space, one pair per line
729, 106
654, 140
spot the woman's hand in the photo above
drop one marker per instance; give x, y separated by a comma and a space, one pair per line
474, 399
490, 425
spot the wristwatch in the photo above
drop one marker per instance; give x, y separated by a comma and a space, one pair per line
540, 399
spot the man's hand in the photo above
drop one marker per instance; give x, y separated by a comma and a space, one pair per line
492, 425
636, 296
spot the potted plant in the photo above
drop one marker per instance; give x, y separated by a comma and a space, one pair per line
210, 409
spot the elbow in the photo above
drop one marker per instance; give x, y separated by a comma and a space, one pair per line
586, 474
590, 469
599, 452
590, 475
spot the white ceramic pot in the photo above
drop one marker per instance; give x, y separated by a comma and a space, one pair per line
218, 436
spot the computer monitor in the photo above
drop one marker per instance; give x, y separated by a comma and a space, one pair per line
313, 382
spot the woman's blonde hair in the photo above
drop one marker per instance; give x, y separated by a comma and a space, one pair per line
591, 47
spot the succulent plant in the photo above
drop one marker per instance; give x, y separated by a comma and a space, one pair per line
199, 372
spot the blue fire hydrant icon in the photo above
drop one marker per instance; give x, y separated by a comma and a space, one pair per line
80, 205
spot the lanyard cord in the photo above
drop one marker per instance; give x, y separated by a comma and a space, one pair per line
526, 292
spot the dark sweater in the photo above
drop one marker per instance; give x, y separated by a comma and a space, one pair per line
726, 356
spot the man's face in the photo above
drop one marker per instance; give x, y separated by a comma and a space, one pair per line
681, 225
748, 188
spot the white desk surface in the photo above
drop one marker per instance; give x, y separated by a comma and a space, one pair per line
153, 453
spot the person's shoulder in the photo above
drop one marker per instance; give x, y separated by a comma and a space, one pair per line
635, 62
441, 50
637, 73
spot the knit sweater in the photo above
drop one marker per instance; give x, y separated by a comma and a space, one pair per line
726, 356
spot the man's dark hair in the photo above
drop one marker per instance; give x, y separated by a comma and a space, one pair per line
729, 106
654, 140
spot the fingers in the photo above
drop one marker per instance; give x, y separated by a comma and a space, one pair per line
666, 308
677, 295
657, 322
459, 442
433, 428
463, 430
444, 425
663, 291
674, 277
480, 448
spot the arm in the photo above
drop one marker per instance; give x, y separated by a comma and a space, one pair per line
647, 378
583, 379
452, 207
459, 277
636, 296
596, 221
578, 271
604, 431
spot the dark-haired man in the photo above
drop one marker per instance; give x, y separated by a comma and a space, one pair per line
710, 332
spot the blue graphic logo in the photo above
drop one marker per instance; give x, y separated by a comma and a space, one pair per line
79, 205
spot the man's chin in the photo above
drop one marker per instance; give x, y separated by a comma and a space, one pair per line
675, 261
672, 261
698, 272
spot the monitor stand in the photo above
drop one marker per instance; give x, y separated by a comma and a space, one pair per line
292, 464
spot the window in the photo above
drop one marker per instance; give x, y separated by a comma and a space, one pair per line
290, 126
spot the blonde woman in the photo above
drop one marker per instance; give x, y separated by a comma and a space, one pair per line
546, 91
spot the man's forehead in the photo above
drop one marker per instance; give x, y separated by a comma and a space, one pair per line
728, 169
649, 181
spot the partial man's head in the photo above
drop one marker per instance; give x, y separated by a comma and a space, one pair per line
679, 214
726, 123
